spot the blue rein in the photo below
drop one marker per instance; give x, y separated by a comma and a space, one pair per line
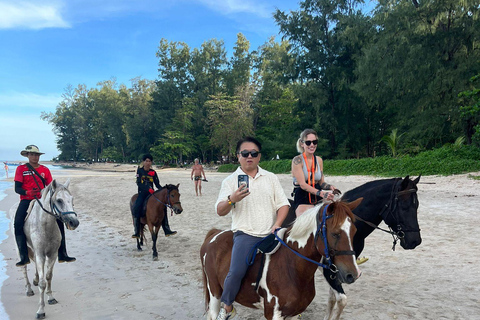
321, 228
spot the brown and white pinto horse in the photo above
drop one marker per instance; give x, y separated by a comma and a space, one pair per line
156, 208
286, 286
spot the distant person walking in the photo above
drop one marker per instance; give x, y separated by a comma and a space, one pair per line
197, 172
30, 179
6, 169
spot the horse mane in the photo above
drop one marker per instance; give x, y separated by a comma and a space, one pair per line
306, 224
370, 186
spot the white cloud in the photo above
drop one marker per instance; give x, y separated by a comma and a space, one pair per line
30, 15
29, 100
238, 6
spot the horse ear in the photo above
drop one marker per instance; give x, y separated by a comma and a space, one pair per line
352, 205
417, 180
178, 185
54, 184
67, 183
405, 182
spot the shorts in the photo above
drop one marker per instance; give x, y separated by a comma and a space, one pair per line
300, 196
198, 178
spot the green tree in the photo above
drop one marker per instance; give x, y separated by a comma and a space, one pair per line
470, 111
392, 141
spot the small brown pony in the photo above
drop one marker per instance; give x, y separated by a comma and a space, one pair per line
286, 286
156, 208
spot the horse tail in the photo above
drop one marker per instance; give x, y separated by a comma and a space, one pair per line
203, 250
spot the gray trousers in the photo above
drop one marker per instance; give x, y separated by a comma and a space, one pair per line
242, 244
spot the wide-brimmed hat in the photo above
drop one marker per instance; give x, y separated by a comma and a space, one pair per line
30, 149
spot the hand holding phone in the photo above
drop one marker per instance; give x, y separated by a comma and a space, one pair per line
243, 181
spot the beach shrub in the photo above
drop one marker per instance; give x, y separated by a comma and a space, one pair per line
450, 159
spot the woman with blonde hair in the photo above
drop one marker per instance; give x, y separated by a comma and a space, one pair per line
309, 183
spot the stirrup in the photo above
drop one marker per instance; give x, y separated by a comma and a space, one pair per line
361, 260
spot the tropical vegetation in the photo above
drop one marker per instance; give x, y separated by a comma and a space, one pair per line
407, 69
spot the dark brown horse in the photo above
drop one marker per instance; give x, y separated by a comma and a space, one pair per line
156, 208
286, 286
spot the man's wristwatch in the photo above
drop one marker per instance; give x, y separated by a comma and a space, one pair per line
318, 193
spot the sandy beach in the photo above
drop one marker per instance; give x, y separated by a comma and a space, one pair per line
112, 280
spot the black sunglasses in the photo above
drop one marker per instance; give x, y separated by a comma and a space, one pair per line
245, 153
308, 142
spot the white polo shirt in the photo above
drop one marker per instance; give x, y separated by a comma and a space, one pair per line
257, 212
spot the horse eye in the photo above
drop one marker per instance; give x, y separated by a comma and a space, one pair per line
336, 235
60, 201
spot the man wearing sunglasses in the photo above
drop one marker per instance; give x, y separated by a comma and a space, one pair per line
256, 212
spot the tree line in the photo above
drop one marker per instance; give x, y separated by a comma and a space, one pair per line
354, 77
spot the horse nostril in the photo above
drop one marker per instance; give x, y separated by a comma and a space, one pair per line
350, 278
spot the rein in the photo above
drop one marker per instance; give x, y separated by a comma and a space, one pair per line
392, 204
55, 212
321, 229
169, 202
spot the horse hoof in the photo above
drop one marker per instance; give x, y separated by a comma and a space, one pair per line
155, 258
30, 293
35, 283
40, 315
139, 249
52, 301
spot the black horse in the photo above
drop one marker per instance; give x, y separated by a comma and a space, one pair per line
393, 201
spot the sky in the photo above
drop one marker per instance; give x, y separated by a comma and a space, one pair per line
47, 45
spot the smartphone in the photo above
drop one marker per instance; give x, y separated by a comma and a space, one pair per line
243, 181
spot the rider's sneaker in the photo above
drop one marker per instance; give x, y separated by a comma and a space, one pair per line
224, 315
361, 260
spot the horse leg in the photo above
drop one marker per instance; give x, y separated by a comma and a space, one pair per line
213, 307
40, 261
35, 280
154, 240
28, 287
139, 247
49, 276
340, 299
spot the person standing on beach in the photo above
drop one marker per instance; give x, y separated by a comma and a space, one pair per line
197, 171
258, 209
146, 178
30, 179
6, 169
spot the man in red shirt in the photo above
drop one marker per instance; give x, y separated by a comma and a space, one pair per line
30, 179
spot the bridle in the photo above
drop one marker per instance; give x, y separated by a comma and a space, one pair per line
55, 211
391, 206
329, 252
169, 203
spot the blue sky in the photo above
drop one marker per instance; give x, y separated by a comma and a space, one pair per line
47, 45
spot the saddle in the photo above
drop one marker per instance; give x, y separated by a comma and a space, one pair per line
268, 246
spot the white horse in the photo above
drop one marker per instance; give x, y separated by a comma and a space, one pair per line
43, 237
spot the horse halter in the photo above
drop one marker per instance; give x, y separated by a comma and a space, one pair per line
57, 213
329, 254
392, 205
169, 203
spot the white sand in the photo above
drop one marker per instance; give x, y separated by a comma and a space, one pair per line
111, 280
